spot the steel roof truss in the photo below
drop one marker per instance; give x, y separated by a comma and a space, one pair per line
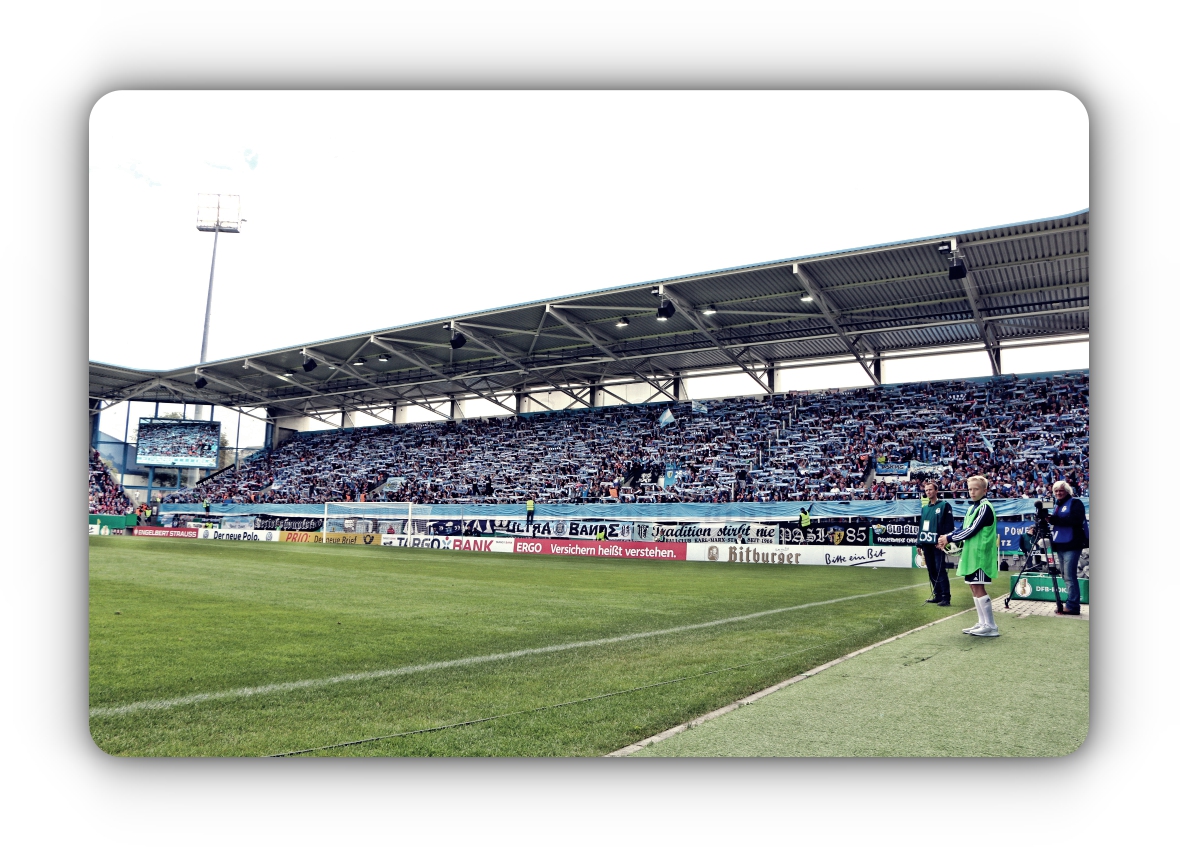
986, 334
813, 289
494, 346
413, 357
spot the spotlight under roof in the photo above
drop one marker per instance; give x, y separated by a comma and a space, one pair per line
709, 310
201, 382
309, 365
458, 339
622, 322
666, 310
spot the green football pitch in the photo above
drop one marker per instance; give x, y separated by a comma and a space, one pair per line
250, 649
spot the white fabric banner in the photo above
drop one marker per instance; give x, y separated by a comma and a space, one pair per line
718, 533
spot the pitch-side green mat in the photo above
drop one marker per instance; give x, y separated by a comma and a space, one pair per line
200, 648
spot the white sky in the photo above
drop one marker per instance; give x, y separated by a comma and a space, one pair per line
368, 210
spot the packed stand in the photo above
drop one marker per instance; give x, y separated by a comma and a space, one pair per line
106, 496
1021, 433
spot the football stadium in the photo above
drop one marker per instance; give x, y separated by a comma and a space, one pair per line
543, 530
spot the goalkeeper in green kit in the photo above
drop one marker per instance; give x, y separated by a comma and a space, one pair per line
979, 562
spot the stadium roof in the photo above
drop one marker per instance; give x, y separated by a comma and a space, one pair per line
1025, 283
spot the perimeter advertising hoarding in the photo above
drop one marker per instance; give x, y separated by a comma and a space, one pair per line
169, 443
211, 534
165, 532
803, 554
611, 549
370, 539
444, 542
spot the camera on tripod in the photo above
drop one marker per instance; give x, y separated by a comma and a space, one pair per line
1041, 525
1041, 533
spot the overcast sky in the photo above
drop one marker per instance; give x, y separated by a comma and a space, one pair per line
369, 210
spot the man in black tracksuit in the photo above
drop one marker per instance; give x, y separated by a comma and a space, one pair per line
937, 519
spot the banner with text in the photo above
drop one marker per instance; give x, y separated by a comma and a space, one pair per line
442, 542
826, 532
612, 549
370, 539
897, 532
165, 532
553, 528
802, 554
724, 533
237, 534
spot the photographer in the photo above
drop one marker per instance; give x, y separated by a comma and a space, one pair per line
1069, 539
937, 519
980, 562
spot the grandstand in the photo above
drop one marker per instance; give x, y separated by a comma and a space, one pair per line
610, 363
814, 446
668, 572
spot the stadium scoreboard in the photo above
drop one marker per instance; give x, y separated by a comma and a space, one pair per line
171, 443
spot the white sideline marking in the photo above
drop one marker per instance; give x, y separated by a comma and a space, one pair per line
273, 688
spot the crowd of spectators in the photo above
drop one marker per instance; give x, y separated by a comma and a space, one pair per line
106, 496
826, 445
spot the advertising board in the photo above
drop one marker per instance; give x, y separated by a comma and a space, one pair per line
211, 534
443, 542
613, 549
803, 554
165, 531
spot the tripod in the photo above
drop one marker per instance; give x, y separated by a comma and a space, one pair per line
1040, 532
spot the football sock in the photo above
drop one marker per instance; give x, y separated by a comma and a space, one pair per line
979, 611
989, 618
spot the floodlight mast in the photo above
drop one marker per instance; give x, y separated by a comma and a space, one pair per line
218, 226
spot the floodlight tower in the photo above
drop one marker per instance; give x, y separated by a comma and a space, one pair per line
216, 213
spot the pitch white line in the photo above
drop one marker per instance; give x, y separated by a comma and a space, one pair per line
363, 676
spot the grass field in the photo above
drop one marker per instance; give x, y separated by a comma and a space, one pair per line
175, 618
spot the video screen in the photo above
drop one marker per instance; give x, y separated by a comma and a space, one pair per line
165, 442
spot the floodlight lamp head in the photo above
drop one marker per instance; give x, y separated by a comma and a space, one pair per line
944, 247
666, 310
709, 310
806, 298
622, 322
358, 362
219, 212
383, 358
309, 365
201, 382
458, 339
958, 269
288, 372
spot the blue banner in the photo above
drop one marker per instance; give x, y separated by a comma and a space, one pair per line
786, 510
